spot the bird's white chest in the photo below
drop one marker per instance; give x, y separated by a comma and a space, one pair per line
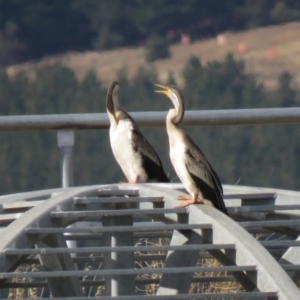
178, 159
129, 160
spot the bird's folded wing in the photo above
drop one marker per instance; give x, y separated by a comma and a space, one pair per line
141, 144
197, 157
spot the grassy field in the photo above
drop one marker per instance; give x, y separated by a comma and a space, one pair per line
269, 51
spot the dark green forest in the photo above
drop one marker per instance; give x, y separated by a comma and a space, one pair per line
248, 155
36, 28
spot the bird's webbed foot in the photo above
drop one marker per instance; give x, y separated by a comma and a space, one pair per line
132, 181
186, 200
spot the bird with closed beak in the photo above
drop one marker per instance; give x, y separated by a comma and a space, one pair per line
134, 154
191, 166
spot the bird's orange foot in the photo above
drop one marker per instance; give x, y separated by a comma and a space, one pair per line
188, 200
134, 181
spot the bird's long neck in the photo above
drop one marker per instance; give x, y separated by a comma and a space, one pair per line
112, 107
174, 118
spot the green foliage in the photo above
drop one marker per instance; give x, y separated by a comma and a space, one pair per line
157, 48
223, 84
250, 155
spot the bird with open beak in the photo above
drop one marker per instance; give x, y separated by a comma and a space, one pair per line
189, 162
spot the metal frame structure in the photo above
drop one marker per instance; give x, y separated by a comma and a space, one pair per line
37, 224
114, 226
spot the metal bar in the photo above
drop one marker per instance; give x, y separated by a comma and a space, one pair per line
179, 283
137, 235
243, 295
263, 208
99, 259
115, 191
120, 212
116, 284
279, 223
59, 287
87, 200
127, 272
65, 140
5, 218
252, 196
290, 267
33, 230
20, 204
289, 115
117, 249
138, 281
280, 243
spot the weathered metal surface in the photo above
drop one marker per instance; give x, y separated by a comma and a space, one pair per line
198, 247
118, 284
86, 200
119, 212
65, 286
250, 296
152, 227
227, 231
116, 272
238, 252
20, 205
65, 141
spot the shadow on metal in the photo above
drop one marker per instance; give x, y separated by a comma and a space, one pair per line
133, 237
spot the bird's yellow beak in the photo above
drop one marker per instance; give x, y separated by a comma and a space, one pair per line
166, 90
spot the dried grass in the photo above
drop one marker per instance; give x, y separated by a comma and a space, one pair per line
285, 38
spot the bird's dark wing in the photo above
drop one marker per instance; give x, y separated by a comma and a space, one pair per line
203, 174
199, 156
151, 161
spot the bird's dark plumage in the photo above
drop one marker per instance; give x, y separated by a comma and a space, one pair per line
204, 175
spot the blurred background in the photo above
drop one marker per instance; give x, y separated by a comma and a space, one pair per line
59, 57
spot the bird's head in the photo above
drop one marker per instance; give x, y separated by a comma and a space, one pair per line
112, 102
174, 94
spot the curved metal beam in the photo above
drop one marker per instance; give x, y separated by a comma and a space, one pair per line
14, 235
270, 275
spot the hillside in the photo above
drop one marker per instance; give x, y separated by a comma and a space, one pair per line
269, 51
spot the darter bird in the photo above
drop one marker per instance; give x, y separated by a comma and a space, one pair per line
136, 157
189, 162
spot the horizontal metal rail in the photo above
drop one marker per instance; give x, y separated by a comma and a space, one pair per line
242, 295
138, 281
119, 249
152, 119
253, 196
120, 212
87, 200
280, 243
117, 192
152, 227
263, 208
277, 223
127, 271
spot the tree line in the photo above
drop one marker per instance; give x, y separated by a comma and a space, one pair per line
248, 155
36, 28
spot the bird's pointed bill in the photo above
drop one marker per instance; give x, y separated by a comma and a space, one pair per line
166, 90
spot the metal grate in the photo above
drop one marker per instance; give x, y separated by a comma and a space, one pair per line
128, 241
